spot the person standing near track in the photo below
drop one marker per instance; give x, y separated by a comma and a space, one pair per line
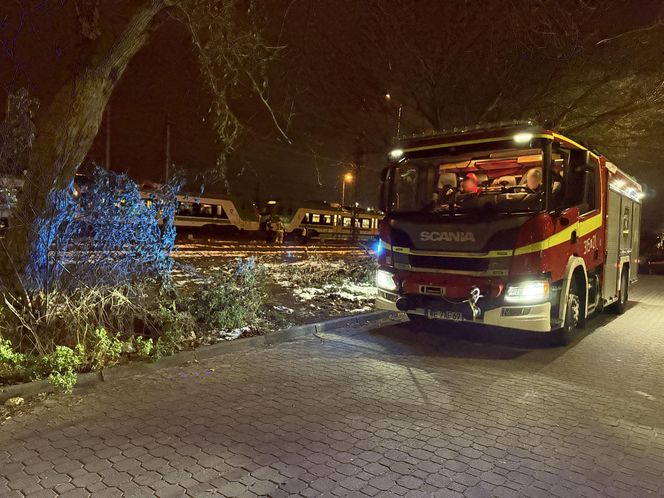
269, 229
279, 230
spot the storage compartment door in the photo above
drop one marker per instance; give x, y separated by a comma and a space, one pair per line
613, 238
636, 236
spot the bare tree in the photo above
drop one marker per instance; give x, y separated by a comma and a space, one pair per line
233, 56
452, 64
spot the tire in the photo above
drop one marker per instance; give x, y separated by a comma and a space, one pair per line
620, 306
573, 319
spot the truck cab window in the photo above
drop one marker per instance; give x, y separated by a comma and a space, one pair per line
407, 192
576, 171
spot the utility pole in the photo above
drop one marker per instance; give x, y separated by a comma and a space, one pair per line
169, 123
108, 136
358, 163
389, 99
399, 122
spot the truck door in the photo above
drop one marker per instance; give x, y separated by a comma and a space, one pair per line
589, 235
613, 238
636, 237
579, 207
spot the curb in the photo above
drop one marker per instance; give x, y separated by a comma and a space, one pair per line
238, 345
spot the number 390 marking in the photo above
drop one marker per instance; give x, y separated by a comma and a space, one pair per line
590, 244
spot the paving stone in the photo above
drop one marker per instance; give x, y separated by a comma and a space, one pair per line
382, 412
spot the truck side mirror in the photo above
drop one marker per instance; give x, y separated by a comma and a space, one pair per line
569, 215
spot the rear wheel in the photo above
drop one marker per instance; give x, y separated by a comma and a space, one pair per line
572, 315
623, 296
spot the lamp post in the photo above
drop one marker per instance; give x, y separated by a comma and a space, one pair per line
388, 98
348, 177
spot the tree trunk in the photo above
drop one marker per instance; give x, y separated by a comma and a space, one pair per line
65, 134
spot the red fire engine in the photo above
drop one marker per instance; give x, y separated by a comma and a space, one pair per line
514, 226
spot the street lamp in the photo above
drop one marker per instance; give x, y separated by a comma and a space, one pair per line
348, 177
388, 98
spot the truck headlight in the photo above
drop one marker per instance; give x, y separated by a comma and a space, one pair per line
531, 291
385, 280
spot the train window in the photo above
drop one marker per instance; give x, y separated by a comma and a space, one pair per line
346, 222
366, 223
185, 208
206, 210
327, 219
315, 218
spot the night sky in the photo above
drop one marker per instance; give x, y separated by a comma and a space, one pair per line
340, 94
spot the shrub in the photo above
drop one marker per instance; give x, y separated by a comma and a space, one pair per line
61, 366
101, 349
143, 347
316, 271
231, 302
174, 325
130, 239
95, 279
12, 363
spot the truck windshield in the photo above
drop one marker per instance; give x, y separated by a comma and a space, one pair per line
501, 181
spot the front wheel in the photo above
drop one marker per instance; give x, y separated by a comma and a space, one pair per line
572, 316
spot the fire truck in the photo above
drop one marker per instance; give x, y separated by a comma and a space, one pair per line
512, 225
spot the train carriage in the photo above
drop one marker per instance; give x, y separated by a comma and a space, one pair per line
326, 221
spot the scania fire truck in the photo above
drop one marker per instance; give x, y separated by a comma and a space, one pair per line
513, 225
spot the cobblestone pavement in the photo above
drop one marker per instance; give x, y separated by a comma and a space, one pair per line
381, 412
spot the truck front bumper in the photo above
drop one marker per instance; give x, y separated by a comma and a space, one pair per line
532, 318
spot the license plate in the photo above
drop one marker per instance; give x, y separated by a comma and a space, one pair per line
455, 316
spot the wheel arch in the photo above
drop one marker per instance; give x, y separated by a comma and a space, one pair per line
624, 265
576, 269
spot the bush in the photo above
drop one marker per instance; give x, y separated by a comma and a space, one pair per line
175, 325
142, 347
89, 330
95, 285
12, 363
101, 349
60, 334
130, 239
319, 272
232, 302
61, 366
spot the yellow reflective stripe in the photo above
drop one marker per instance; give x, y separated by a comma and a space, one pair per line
558, 238
590, 225
469, 142
582, 228
479, 255
575, 144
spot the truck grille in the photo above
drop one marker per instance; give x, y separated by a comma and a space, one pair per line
447, 263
